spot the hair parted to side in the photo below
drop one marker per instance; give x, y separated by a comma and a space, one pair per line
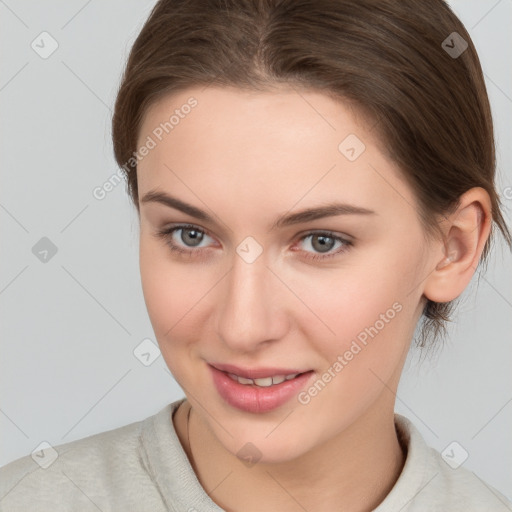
429, 111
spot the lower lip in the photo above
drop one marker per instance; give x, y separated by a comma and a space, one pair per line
251, 398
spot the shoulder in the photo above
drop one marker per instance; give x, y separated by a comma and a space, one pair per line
461, 488
432, 482
89, 473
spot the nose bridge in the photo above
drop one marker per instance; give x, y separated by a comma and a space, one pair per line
249, 314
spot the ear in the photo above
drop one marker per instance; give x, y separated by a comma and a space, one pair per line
464, 235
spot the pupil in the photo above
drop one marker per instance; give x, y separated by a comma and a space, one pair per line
195, 239
323, 247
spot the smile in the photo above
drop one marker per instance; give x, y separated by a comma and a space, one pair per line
265, 382
259, 394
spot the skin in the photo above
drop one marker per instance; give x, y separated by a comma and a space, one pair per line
246, 158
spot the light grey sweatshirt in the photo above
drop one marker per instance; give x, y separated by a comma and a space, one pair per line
142, 467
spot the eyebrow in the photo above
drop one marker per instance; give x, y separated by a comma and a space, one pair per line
307, 215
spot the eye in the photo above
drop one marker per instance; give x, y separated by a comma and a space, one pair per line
324, 242
188, 242
191, 236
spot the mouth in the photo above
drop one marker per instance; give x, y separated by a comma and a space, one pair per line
260, 373
264, 382
258, 394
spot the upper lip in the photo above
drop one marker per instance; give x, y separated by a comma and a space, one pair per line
255, 373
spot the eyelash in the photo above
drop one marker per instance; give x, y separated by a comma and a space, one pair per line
167, 233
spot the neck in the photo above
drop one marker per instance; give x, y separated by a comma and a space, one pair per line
358, 468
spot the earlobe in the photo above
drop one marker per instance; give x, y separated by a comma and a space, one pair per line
465, 236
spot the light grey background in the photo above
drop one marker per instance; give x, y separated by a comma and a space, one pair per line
70, 325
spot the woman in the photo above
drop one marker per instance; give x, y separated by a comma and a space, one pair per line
312, 179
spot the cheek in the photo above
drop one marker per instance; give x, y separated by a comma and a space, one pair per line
162, 287
173, 295
365, 325
350, 299
369, 332
360, 360
170, 288
165, 306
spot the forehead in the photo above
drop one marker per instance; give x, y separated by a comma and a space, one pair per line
276, 109
285, 143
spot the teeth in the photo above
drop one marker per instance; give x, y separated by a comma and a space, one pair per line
264, 383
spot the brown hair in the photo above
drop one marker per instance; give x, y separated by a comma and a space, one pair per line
429, 108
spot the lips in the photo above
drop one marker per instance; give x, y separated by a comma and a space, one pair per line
258, 373
253, 398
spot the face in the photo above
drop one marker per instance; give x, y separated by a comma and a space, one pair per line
336, 294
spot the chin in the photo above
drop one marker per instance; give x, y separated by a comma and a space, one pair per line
250, 445
251, 453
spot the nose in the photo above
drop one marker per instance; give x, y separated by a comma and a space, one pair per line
251, 311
